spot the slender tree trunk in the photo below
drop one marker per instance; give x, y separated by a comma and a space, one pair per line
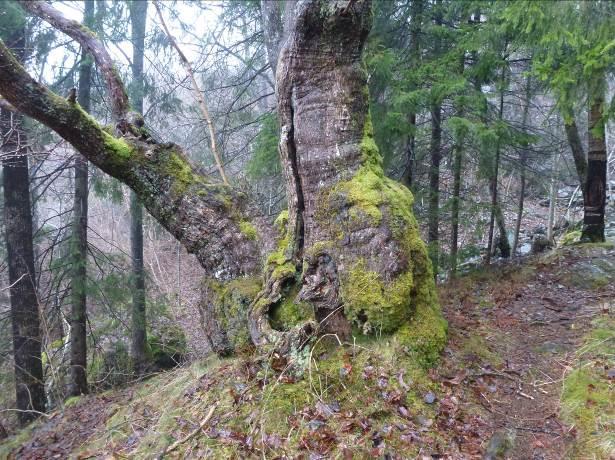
457, 166
496, 210
503, 243
595, 186
273, 30
416, 18
522, 163
520, 206
552, 200
198, 94
433, 237
29, 385
78, 383
138, 18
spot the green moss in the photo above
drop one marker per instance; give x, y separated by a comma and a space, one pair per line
588, 399
290, 312
178, 168
57, 343
231, 302
279, 262
248, 229
121, 152
424, 337
7, 446
167, 347
72, 401
475, 346
283, 400
571, 238
383, 306
281, 221
375, 306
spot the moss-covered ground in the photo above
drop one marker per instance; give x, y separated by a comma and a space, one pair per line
527, 373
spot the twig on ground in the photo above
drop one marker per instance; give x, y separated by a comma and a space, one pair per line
190, 435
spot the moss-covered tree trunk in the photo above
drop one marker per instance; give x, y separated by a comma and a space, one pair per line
349, 257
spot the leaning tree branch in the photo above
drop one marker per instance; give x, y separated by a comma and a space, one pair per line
209, 219
197, 92
91, 44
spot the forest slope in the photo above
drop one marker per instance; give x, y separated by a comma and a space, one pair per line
528, 373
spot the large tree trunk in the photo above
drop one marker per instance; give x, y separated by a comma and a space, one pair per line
138, 18
351, 247
595, 185
78, 383
350, 250
29, 386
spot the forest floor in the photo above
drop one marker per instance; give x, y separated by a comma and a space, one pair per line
528, 374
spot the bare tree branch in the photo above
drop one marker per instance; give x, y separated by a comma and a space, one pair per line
91, 44
197, 92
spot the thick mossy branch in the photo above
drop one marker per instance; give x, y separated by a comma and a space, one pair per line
208, 218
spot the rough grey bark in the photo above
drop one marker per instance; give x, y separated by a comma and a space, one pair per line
29, 385
138, 18
273, 29
78, 383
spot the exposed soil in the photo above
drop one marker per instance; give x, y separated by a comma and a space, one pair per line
513, 332
531, 318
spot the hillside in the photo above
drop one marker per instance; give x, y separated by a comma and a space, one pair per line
528, 373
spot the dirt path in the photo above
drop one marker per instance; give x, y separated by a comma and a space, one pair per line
516, 336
